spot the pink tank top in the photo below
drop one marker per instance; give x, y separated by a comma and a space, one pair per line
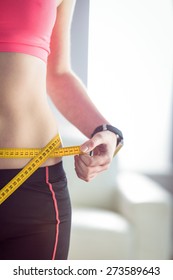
26, 26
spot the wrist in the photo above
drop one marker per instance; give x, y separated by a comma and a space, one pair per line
116, 131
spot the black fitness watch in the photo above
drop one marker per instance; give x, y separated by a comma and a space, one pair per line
118, 133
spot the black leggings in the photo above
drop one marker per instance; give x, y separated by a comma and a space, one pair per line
35, 220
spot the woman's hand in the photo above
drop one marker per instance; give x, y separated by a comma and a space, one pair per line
102, 146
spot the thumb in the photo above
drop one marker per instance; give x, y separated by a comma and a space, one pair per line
91, 144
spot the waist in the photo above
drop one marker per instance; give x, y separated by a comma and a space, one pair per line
26, 119
30, 128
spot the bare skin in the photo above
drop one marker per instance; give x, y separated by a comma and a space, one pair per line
25, 116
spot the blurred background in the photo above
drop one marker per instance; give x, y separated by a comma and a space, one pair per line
123, 52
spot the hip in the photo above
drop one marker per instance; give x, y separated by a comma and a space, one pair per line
39, 202
35, 197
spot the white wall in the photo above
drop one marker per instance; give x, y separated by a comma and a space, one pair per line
130, 76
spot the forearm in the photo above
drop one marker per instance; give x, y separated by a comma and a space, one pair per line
70, 97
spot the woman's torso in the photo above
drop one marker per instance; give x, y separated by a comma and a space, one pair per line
26, 120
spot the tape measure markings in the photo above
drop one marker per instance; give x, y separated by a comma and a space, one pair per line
39, 156
32, 152
29, 169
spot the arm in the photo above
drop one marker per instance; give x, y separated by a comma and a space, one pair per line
70, 97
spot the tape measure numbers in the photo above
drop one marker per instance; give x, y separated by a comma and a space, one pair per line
30, 153
39, 157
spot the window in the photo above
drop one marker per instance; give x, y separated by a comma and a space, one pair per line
130, 77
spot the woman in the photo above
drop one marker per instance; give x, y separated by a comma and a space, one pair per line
34, 61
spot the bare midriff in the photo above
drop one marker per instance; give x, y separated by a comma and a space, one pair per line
26, 119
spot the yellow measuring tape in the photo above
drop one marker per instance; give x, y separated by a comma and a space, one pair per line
39, 157
30, 153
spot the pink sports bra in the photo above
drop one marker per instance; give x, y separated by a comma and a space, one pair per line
26, 26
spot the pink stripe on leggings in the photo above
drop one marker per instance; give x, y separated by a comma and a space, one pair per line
56, 212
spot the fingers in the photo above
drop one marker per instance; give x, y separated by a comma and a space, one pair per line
87, 168
102, 145
105, 140
92, 143
97, 159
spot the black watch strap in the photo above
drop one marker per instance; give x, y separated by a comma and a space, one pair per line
111, 128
